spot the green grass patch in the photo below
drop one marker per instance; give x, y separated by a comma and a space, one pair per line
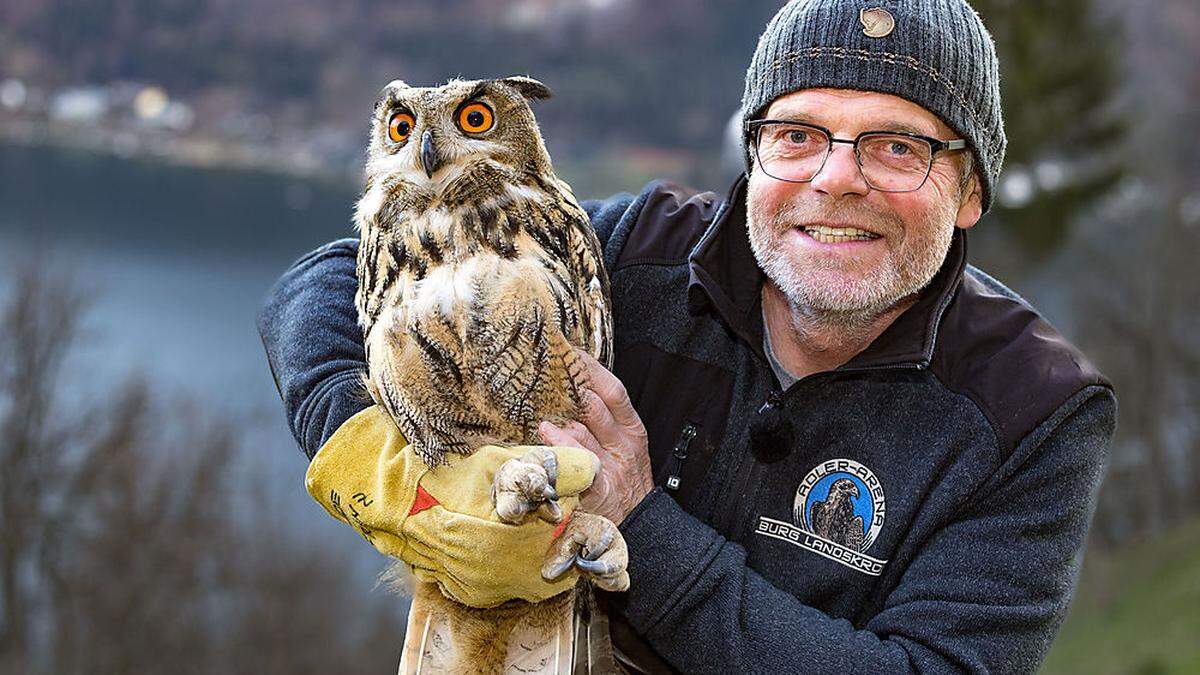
1137, 610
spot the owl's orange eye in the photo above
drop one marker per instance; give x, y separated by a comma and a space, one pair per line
476, 118
400, 126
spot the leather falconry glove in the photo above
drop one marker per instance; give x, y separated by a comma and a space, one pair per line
441, 521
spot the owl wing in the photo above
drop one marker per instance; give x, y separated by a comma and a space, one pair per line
383, 261
562, 229
587, 265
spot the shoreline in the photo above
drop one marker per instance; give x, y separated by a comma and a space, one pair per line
192, 153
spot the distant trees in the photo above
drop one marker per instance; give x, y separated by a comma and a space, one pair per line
1060, 80
1139, 316
132, 537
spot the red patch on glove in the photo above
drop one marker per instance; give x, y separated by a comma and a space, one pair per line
561, 526
423, 501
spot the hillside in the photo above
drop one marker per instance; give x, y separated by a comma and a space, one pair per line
1137, 610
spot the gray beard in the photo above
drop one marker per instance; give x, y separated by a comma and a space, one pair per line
851, 310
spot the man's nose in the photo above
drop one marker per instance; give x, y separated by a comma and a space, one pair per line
840, 176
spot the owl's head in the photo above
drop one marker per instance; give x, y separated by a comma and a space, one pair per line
427, 134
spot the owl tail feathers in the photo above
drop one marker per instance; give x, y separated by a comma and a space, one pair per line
446, 637
564, 635
593, 652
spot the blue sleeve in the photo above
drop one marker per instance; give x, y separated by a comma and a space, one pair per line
986, 594
606, 213
309, 328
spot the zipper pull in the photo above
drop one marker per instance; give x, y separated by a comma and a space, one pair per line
773, 399
678, 454
771, 433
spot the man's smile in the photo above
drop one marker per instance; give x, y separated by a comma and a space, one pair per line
828, 235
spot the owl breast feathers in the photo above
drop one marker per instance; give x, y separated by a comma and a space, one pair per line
478, 272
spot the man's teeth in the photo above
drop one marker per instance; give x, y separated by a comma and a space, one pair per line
835, 235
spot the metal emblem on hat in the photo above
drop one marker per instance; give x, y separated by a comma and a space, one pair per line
877, 22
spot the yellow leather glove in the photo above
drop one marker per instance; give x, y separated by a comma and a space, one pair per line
440, 521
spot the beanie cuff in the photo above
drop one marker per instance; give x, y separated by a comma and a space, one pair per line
881, 72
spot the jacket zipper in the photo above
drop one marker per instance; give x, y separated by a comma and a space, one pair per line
678, 455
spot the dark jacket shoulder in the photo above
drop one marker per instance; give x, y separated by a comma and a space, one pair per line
661, 226
995, 348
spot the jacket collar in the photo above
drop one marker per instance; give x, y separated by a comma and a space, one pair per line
725, 274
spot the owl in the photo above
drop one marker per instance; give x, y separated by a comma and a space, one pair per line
478, 271
479, 275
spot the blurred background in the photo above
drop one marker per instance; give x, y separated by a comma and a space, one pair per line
163, 161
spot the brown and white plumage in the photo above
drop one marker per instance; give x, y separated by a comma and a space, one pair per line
478, 275
478, 270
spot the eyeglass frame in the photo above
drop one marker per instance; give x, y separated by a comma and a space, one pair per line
753, 130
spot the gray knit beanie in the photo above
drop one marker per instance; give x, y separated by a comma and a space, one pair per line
935, 53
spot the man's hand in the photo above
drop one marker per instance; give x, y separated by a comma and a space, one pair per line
612, 430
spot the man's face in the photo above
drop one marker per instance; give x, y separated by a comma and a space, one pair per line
912, 230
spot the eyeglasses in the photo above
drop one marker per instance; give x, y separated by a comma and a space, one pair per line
890, 161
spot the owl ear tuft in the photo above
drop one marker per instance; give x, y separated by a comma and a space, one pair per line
388, 89
529, 87
394, 85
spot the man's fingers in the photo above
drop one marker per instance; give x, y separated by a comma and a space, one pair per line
599, 421
611, 391
574, 435
553, 435
585, 437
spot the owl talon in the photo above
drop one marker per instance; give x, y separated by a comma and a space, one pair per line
550, 462
601, 568
553, 571
525, 485
593, 545
550, 511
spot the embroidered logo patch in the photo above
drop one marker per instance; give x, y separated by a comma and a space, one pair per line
877, 22
838, 512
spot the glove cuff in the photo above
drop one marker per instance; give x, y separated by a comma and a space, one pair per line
366, 476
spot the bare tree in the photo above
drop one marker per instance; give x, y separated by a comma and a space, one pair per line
1141, 317
128, 542
37, 327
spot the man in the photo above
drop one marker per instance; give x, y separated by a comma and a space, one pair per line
830, 443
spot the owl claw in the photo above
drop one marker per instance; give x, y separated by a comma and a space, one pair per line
593, 545
525, 485
596, 567
550, 462
556, 569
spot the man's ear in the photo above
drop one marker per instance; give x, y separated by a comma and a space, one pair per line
529, 87
971, 207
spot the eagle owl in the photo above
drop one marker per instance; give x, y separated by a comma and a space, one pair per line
478, 276
478, 270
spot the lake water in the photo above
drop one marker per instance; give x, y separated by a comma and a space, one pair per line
178, 260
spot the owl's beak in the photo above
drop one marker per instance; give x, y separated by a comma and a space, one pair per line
430, 160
